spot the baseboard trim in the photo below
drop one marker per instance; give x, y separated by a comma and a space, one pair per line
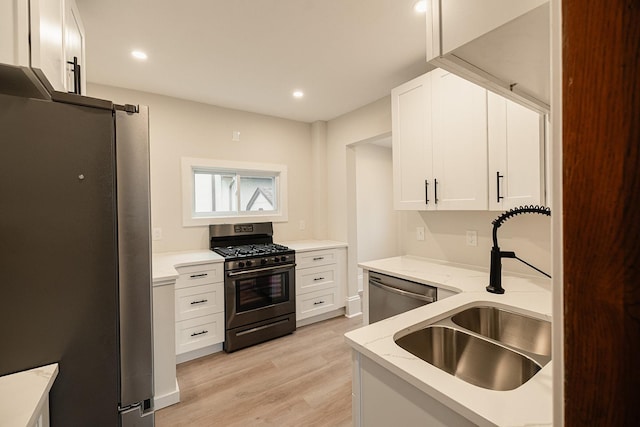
320, 317
167, 399
354, 306
195, 354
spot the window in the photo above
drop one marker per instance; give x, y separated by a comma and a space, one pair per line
221, 191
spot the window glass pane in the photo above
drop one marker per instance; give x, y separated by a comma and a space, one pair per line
203, 185
257, 193
214, 192
226, 199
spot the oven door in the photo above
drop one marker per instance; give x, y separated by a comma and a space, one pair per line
255, 295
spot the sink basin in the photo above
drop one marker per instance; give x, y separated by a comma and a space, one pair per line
513, 329
470, 358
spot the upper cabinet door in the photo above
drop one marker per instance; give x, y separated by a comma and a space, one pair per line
47, 40
14, 33
516, 149
502, 45
411, 144
74, 50
459, 124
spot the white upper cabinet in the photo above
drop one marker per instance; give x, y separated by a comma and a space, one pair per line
46, 35
47, 41
516, 153
411, 148
502, 45
439, 144
74, 45
459, 129
457, 146
14, 33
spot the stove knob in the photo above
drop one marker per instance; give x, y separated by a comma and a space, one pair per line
241, 264
263, 261
283, 258
249, 263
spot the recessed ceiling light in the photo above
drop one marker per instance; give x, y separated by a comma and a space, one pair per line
420, 6
298, 94
138, 54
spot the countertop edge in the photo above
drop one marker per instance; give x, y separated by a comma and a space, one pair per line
37, 394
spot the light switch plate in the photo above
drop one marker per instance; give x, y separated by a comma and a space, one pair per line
419, 233
472, 238
156, 233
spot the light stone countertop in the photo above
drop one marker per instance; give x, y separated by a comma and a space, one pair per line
312, 245
529, 404
23, 394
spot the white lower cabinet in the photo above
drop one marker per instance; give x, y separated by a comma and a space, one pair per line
199, 332
199, 310
383, 399
320, 282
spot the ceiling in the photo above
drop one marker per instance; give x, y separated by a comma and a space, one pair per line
251, 55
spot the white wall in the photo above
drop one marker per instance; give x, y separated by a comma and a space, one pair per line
376, 218
180, 128
364, 123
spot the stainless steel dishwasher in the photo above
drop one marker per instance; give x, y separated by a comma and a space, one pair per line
389, 296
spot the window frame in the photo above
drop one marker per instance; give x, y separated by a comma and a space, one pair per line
190, 165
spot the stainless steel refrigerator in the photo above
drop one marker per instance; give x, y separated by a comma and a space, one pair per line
75, 276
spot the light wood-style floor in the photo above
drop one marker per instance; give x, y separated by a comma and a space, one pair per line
303, 379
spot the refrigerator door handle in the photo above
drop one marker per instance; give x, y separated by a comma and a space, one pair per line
134, 256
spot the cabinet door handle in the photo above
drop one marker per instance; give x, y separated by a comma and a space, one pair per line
202, 301
435, 190
426, 191
318, 302
318, 258
498, 176
195, 334
318, 278
77, 89
195, 276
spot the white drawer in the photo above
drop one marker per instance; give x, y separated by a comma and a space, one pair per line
316, 278
314, 303
316, 258
203, 274
200, 332
198, 301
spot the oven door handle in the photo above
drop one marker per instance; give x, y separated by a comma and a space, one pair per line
258, 270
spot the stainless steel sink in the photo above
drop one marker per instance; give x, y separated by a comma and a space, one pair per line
473, 359
513, 329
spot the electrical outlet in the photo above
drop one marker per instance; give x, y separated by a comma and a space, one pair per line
472, 238
156, 233
302, 225
419, 233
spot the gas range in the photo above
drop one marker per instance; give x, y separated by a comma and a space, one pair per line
259, 284
255, 255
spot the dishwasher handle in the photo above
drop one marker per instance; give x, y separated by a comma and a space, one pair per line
401, 292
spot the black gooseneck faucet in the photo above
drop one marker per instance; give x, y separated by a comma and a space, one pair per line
495, 273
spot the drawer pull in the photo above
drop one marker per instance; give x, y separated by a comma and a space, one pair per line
202, 301
318, 302
318, 278
318, 258
195, 276
195, 334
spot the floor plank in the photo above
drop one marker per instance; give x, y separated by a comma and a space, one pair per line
303, 379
